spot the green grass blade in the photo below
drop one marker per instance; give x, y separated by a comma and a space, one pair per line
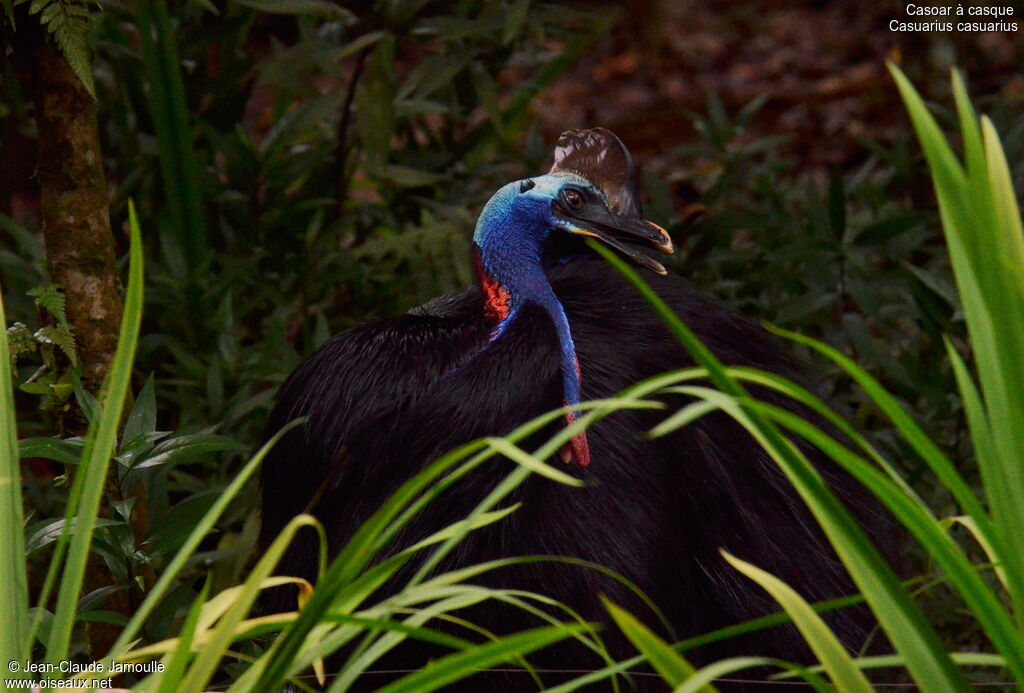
420, 633
815, 404
532, 463
463, 574
179, 168
900, 618
13, 583
738, 629
454, 667
974, 408
822, 641
223, 635
687, 415
972, 659
725, 667
99, 446
929, 532
971, 526
528, 464
672, 666
503, 489
352, 560
463, 526
1003, 389
199, 532
974, 152
1006, 210
939, 463
178, 661
983, 232
456, 533
444, 600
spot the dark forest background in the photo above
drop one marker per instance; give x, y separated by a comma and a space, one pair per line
300, 166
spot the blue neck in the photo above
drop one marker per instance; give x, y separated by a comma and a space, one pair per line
510, 236
506, 292
517, 270
546, 299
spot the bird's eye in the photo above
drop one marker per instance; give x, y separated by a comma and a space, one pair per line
573, 198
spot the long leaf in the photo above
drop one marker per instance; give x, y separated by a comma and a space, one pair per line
99, 447
914, 435
983, 231
928, 531
822, 641
13, 583
899, 616
724, 667
199, 532
178, 166
454, 667
672, 666
170, 677
226, 631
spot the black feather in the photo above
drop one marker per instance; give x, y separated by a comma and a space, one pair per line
385, 398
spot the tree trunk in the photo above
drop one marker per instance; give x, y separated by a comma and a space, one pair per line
80, 256
76, 219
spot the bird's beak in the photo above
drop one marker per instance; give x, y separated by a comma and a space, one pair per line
618, 231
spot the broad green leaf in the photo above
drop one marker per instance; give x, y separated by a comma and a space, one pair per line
65, 451
179, 167
142, 418
51, 531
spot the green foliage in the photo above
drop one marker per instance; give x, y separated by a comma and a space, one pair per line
167, 107
983, 227
87, 490
53, 379
13, 577
836, 661
665, 660
855, 258
311, 8
303, 168
335, 613
70, 23
900, 617
342, 193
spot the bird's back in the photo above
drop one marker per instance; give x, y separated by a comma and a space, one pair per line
383, 399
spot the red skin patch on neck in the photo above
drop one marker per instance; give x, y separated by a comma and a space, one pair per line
496, 297
578, 449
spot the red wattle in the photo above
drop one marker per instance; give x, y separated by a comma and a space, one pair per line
578, 448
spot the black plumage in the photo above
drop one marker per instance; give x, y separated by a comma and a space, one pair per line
385, 398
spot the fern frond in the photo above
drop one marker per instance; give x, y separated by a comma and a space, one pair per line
61, 337
70, 21
50, 298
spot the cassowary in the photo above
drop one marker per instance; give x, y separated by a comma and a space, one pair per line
550, 324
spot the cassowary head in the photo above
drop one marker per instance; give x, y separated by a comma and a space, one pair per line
589, 191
